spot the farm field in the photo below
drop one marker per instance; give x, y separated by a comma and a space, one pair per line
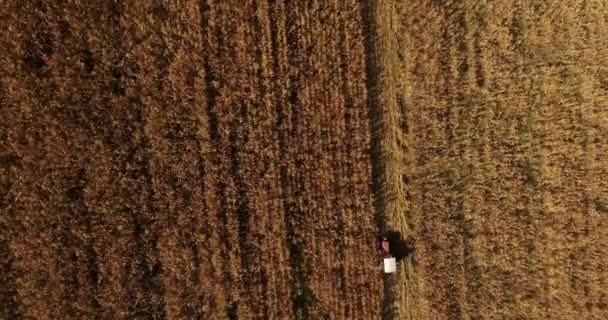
237, 159
496, 156
184, 160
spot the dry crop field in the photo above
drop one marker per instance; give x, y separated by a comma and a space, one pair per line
236, 159
185, 160
496, 156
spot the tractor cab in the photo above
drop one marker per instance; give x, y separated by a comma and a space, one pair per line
385, 247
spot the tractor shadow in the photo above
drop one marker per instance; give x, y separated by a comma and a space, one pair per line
401, 248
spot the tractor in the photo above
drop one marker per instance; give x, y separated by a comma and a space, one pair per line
394, 248
390, 263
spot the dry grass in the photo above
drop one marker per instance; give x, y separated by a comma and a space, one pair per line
495, 143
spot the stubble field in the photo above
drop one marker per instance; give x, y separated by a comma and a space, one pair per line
497, 156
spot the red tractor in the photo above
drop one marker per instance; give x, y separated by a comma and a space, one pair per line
385, 247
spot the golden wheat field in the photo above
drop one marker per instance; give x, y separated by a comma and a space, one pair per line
237, 159
496, 156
